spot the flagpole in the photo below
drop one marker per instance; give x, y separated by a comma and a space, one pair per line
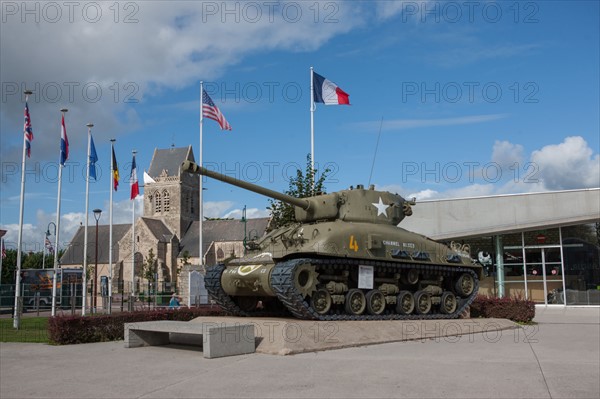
44, 251
54, 277
17, 314
1, 257
87, 210
312, 123
200, 206
133, 245
110, 227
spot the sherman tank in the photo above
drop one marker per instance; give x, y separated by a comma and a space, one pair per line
344, 259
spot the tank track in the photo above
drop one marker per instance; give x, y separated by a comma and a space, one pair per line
212, 283
282, 283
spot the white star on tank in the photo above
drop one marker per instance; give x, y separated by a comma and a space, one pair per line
381, 207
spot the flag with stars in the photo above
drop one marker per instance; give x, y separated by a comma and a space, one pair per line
211, 111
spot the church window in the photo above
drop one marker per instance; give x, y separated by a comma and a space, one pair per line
166, 201
157, 203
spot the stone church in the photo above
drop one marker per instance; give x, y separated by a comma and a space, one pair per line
168, 229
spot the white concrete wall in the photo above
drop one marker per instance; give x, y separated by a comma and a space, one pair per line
463, 217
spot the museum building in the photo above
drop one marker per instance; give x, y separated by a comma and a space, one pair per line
540, 246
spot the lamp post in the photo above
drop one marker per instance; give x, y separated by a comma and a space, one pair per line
97, 213
44, 244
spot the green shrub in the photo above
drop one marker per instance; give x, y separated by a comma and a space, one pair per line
515, 309
65, 330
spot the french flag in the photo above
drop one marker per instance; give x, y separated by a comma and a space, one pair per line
135, 187
327, 92
64, 143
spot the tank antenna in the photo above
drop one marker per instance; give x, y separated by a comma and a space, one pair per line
376, 147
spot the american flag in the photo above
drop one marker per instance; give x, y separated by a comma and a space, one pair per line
49, 246
210, 111
28, 131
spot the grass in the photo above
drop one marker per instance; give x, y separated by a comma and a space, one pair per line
33, 329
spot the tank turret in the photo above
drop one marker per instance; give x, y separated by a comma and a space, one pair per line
345, 258
354, 205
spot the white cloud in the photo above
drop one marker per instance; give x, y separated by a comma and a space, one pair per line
568, 165
425, 194
571, 164
33, 234
473, 190
506, 154
93, 66
216, 209
251, 213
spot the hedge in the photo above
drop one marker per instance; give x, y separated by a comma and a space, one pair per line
65, 330
515, 309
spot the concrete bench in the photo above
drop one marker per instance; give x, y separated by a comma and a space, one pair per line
218, 339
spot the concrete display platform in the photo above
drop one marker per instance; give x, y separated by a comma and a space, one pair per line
276, 336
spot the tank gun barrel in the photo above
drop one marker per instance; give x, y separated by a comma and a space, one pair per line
192, 167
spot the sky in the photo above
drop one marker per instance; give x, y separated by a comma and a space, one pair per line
448, 99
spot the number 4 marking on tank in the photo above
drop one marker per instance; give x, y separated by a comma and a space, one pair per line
353, 244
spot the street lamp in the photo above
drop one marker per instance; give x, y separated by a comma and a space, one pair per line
97, 213
44, 244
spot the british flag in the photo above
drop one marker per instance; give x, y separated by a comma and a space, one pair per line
210, 111
28, 131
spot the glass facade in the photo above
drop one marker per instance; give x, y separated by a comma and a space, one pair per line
550, 266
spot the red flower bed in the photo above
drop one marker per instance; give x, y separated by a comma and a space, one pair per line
64, 330
515, 309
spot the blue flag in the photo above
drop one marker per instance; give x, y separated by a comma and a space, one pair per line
93, 158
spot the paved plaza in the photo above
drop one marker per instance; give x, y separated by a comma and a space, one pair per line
557, 358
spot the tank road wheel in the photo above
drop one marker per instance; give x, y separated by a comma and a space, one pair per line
448, 303
411, 277
375, 302
405, 303
465, 285
305, 279
321, 301
422, 302
355, 302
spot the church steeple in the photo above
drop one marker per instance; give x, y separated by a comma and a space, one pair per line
173, 196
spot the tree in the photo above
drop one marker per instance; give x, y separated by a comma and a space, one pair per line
185, 261
301, 186
29, 260
149, 267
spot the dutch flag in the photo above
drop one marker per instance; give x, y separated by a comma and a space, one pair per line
64, 143
327, 92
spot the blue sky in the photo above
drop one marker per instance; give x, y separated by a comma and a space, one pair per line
477, 98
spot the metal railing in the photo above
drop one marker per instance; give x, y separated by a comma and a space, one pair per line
36, 300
